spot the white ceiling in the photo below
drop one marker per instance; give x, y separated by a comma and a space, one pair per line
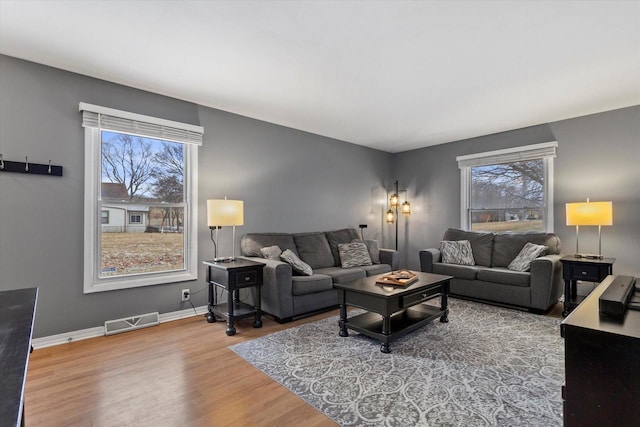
392, 75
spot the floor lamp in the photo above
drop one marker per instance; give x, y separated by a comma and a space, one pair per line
224, 213
394, 202
590, 213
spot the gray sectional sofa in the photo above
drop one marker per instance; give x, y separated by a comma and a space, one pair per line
490, 280
287, 295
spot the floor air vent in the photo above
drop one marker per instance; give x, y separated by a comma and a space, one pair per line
130, 323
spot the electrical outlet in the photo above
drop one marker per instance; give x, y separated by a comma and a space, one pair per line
186, 295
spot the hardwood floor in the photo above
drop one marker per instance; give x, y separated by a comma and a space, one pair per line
179, 373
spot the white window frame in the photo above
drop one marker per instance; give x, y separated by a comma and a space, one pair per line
131, 215
96, 119
545, 151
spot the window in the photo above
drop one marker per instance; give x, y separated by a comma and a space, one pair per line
135, 219
140, 199
508, 190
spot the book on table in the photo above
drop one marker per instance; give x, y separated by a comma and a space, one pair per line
398, 278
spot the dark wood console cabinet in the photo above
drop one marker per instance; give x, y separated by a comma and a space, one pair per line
17, 312
602, 366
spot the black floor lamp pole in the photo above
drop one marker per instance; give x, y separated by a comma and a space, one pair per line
397, 219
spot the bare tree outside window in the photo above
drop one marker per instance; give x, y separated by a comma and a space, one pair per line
508, 196
142, 181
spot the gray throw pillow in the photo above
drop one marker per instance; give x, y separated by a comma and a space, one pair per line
457, 252
296, 263
353, 254
271, 252
529, 252
372, 247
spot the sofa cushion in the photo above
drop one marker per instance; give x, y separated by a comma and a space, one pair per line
507, 246
530, 251
468, 272
303, 285
353, 255
296, 263
504, 276
481, 244
343, 275
250, 244
271, 252
373, 248
346, 235
456, 252
374, 269
313, 248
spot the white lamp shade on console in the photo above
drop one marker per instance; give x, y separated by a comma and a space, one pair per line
222, 213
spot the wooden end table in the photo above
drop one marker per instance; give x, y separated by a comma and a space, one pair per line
400, 306
233, 276
587, 269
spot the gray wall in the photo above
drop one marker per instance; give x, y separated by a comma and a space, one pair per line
597, 158
290, 181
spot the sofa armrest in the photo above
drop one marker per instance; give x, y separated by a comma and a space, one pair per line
546, 281
391, 257
427, 258
277, 288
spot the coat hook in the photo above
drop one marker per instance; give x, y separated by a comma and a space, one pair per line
26, 163
49, 166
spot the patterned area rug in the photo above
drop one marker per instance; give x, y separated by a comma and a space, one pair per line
488, 366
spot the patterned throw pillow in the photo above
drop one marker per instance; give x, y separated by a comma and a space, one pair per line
271, 252
457, 252
296, 263
353, 254
372, 247
528, 253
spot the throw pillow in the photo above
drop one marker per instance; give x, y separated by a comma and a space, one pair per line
271, 252
353, 254
457, 252
372, 247
529, 252
296, 263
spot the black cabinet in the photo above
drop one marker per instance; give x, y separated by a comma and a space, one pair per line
602, 366
233, 276
589, 270
17, 311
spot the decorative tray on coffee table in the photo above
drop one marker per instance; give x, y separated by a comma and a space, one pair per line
398, 278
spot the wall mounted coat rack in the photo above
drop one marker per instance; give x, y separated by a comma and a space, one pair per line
26, 167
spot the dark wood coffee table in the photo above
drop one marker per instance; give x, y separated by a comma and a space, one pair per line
392, 311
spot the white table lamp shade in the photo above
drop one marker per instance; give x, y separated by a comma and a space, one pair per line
590, 213
225, 212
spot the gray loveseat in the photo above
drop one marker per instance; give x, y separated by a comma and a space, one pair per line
287, 295
490, 280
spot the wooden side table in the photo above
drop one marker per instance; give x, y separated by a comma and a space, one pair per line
233, 276
588, 269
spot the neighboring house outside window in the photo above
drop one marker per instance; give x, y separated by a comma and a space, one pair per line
508, 190
141, 170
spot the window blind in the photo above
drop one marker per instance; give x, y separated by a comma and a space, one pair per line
137, 124
510, 155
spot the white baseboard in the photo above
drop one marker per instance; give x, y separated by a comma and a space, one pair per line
98, 331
